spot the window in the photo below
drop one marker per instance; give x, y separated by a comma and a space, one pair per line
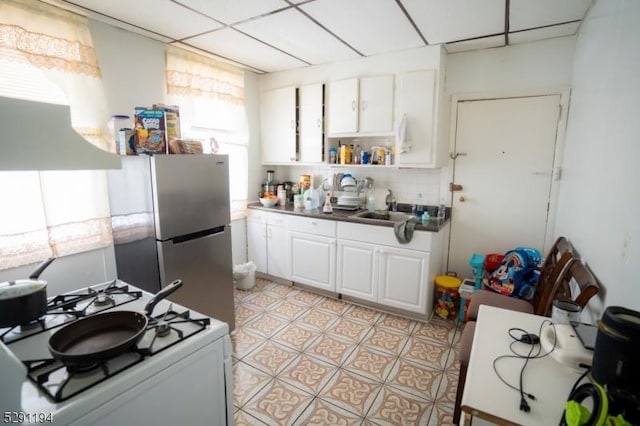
210, 95
46, 54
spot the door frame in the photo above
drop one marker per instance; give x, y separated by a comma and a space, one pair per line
564, 92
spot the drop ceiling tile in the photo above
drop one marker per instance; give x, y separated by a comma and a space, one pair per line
525, 14
160, 16
543, 33
240, 48
299, 36
452, 20
476, 44
369, 27
232, 11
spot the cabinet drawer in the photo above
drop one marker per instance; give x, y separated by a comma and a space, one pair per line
311, 225
259, 216
383, 235
278, 219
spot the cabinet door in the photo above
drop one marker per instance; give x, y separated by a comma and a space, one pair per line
313, 260
278, 117
311, 122
417, 95
343, 106
403, 281
376, 104
277, 259
257, 245
357, 272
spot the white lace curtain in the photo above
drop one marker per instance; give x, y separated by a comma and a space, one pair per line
46, 54
211, 98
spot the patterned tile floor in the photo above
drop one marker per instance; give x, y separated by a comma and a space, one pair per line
304, 359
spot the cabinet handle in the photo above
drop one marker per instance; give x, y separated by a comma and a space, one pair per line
314, 223
293, 125
364, 105
319, 123
353, 105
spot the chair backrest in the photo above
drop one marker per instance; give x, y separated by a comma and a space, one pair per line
587, 285
560, 254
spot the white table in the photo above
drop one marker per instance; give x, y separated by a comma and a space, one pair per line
486, 397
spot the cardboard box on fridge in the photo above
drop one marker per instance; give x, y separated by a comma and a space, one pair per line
171, 119
150, 131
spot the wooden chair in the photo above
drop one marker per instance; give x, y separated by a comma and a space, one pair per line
586, 286
555, 263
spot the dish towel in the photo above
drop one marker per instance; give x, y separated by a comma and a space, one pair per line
402, 140
404, 230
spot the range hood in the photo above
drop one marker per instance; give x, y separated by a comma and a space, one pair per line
39, 136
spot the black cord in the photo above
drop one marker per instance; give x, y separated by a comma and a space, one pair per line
563, 421
534, 343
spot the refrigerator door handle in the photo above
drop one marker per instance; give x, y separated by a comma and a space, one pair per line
196, 235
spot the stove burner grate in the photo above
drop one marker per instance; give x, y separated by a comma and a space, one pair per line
60, 382
65, 308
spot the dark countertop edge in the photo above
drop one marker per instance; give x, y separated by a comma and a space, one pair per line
343, 216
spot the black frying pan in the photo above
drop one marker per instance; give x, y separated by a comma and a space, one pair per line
103, 336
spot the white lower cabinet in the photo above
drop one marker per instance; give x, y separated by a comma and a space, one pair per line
373, 266
267, 242
361, 261
357, 272
403, 279
312, 248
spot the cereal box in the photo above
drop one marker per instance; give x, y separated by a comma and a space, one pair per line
150, 131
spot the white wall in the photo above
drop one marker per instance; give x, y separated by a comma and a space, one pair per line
599, 198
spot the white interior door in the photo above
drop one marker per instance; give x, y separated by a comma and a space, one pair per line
505, 152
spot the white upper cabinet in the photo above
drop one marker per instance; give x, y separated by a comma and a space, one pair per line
343, 106
376, 104
278, 120
310, 108
362, 106
416, 103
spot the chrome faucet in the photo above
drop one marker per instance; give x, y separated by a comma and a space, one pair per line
390, 201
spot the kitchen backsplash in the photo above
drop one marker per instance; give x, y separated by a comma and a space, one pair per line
405, 183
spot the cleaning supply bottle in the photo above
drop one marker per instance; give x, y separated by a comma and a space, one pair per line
327, 207
441, 212
418, 206
425, 218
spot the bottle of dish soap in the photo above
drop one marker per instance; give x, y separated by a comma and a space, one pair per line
327, 207
418, 206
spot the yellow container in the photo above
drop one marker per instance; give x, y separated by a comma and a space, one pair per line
305, 183
345, 154
447, 297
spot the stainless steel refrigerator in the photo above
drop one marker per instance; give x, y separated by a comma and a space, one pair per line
170, 219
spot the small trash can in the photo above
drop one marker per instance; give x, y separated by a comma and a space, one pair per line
244, 276
447, 297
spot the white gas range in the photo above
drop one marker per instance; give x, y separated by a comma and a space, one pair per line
178, 373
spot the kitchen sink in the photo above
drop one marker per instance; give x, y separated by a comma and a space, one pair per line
383, 216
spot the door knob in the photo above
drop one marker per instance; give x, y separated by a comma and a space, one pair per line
462, 199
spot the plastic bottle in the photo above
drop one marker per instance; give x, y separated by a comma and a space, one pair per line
425, 218
441, 212
356, 155
418, 206
333, 155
